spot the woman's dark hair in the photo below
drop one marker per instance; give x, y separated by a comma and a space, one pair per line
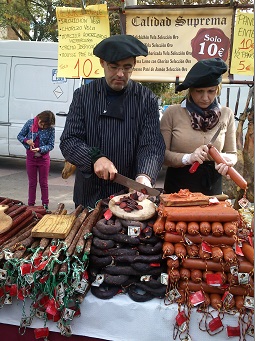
47, 117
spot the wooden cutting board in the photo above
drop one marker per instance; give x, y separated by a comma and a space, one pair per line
5, 220
53, 226
148, 211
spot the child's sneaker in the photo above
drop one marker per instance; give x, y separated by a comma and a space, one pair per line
46, 207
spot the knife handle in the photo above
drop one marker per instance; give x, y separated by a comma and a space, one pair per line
194, 167
234, 175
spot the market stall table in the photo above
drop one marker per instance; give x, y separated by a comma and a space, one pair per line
116, 319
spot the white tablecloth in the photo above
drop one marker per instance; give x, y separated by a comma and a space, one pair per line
122, 319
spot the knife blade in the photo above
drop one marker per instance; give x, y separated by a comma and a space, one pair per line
196, 164
129, 183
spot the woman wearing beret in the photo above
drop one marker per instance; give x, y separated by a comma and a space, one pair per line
188, 127
113, 126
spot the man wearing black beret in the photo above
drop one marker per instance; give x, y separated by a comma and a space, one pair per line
113, 125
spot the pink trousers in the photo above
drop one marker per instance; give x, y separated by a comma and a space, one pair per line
40, 166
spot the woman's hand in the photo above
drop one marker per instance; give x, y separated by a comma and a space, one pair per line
105, 169
200, 154
222, 168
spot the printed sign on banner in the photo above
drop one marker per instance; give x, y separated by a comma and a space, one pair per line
242, 61
79, 32
177, 39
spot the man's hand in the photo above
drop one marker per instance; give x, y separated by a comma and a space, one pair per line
105, 169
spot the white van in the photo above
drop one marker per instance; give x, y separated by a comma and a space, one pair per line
29, 85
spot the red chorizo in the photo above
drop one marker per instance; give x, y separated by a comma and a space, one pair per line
193, 228
168, 249
192, 250
180, 250
175, 238
248, 252
239, 303
229, 255
234, 175
159, 225
205, 228
235, 290
170, 225
217, 253
173, 263
196, 275
217, 229
181, 227
174, 275
216, 302
194, 263
184, 273
230, 228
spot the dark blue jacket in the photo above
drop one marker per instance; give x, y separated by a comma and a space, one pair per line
130, 138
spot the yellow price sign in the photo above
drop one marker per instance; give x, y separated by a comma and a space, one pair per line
242, 61
79, 32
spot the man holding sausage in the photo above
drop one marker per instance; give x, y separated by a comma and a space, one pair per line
113, 125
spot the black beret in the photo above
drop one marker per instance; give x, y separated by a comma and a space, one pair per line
120, 47
205, 73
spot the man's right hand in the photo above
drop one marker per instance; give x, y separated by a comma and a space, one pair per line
105, 169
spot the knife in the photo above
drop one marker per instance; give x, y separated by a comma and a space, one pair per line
196, 164
129, 183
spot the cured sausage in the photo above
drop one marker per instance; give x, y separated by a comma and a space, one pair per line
193, 228
205, 228
173, 275
180, 250
103, 243
234, 175
108, 227
181, 227
159, 225
217, 229
192, 250
220, 212
184, 273
170, 225
217, 253
236, 290
173, 263
229, 255
168, 249
150, 249
230, 228
194, 263
248, 252
196, 275
175, 238
216, 302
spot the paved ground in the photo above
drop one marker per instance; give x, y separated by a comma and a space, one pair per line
14, 184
